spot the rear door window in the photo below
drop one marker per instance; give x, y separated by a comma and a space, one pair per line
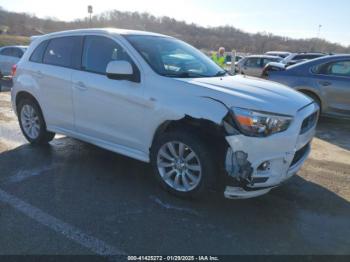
253, 62
341, 68
63, 51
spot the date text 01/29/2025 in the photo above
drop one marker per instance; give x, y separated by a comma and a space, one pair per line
173, 258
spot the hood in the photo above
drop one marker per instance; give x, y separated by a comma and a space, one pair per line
251, 93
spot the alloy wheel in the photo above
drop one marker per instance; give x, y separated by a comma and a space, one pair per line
179, 166
30, 121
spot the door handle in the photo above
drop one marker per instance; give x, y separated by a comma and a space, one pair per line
80, 85
325, 83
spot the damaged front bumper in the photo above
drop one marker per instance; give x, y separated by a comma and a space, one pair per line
255, 165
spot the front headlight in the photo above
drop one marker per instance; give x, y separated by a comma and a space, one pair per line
258, 124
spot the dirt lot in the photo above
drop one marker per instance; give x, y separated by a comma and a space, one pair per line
74, 198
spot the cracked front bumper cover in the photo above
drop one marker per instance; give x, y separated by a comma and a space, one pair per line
286, 153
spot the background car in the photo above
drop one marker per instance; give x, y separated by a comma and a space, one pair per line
228, 63
9, 56
296, 58
282, 54
254, 65
326, 80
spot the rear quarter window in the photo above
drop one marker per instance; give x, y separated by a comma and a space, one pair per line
37, 55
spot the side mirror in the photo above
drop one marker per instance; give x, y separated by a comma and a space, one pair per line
120, 70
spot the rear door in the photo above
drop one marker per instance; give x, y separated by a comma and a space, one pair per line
334, 83
53, 73
252, 66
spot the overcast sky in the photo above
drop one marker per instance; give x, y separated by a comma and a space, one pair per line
293, 18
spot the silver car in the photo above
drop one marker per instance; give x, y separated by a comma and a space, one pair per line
253, 65
9, 56
326, 80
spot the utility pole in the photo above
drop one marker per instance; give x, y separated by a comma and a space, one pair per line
319, 31
90, 13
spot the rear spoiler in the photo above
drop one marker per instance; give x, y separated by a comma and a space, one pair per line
34, 37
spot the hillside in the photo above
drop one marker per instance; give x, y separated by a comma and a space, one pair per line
205, 38
13, 40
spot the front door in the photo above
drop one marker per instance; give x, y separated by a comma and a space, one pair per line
110, 111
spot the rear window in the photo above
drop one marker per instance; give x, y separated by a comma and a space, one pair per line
60, 51
17, 52
7, 52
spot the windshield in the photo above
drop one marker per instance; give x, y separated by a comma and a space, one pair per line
174, 58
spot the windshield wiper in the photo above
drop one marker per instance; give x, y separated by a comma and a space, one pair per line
186, 75
193, 74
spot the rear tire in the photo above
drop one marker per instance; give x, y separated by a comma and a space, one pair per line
183, 164
32, 123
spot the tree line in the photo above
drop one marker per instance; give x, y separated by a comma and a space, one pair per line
201, 37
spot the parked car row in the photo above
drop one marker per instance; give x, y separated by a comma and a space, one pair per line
323, 77
254, 65
326, 80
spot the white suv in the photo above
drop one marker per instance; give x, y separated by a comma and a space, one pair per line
157, 99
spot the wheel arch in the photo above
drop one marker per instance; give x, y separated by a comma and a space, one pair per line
213, 134
25, 95
312, 93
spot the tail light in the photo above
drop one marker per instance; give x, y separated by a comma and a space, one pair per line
13, 70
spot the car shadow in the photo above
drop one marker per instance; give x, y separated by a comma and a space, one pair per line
109, 192
73, 156
334, 131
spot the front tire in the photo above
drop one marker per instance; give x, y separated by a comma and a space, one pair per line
32, 123
183, 164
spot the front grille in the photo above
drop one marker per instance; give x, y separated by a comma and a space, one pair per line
309, 123
300, 154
